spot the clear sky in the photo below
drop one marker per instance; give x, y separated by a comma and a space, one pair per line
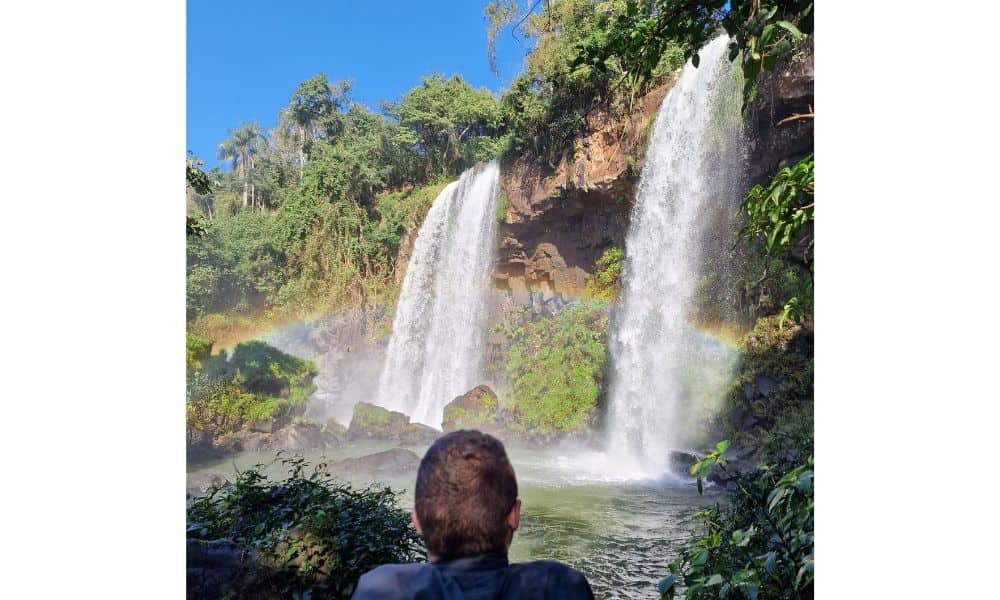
244, 59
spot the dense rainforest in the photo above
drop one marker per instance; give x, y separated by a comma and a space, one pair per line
318, 215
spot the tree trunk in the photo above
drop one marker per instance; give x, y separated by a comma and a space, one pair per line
302, 150
245, 182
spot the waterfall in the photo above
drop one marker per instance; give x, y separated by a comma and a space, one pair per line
437, 335
690, 176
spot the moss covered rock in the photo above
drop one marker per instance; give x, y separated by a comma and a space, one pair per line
475, 409
370, 421
416, 434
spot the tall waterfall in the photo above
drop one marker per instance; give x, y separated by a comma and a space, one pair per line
437, 335
690, 172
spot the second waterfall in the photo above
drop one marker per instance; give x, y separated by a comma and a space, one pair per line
437, 334
680, 231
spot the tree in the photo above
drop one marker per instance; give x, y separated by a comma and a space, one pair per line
199, 185
763, 32
454, 124
243, 145
314, 110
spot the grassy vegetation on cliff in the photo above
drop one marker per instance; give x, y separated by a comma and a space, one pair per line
553, 368
605, 284
547, 105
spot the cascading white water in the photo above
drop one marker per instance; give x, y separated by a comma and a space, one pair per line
437, 335
688, 173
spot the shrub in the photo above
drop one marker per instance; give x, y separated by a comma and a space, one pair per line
198, 350
758, 546
258, 383
310, 534
264, 369
605, 284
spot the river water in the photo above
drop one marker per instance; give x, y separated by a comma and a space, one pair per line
620, 533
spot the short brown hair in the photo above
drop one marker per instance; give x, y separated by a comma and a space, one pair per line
465, 490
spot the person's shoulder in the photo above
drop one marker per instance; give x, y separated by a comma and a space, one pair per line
571, 582
394, 581
551, 566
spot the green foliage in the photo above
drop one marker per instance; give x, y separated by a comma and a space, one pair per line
499, 14
232, 266
502, 205
778, 212
454, 124
403, 211
315, 109
777, 216
476, 412
547, 105
261, 368
763, 33
258, 382
759, 546
198, 351
303, 222
310, 534
198, 183
554, 368
196, 177
370, 417
774, 384
605, 284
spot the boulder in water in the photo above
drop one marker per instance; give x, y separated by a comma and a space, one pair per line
475, 409
370, 421
335, 427
681, 462
415, 434
395, 460
302, 436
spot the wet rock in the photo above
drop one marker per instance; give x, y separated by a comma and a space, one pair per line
302, 436
263, 426
198, 484
743, 419
416, 434
375, 422
786, 91
681, 462
335, 427
395, 460
475, 409
254, 441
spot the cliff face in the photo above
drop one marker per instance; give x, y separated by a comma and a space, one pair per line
776, 139
559, 221
771, 144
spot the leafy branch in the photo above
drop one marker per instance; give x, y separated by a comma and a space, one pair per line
760, 546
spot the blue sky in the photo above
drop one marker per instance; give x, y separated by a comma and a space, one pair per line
244, 59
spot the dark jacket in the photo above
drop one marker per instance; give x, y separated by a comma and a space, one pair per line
484, 577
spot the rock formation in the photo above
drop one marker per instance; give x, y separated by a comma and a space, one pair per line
560, 220
374, 422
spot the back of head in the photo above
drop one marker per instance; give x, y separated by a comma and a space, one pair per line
465, 490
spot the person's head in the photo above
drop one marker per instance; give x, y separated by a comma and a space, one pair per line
466, 497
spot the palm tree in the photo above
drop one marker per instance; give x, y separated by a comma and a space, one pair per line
243, 144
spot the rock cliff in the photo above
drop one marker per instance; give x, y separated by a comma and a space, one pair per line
560, 220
